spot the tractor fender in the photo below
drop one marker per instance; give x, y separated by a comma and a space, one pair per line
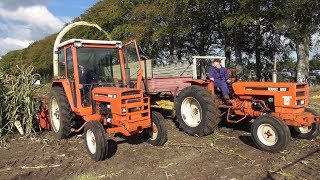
66, 85
208, 84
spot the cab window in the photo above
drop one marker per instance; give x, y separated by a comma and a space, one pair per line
62, 64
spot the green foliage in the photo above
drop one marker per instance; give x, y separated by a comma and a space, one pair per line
163, 28
297, 18
11, 58
287, 63
315, 62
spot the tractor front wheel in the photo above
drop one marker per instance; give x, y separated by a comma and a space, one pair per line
95, 140
270, 133
308, 132
197, 111
60, 113
157, 133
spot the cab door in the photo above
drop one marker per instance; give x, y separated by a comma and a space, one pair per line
70, 72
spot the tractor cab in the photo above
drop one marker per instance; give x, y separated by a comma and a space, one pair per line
102, 79
94, 64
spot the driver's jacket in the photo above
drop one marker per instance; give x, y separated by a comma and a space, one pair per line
219, 74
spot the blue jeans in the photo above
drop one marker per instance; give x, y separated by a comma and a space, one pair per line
222, 85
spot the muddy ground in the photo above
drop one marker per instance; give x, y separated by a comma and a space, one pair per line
227, 154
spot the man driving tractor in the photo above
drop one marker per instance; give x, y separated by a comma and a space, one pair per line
220, 76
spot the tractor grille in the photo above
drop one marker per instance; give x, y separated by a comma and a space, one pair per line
136, 106
131, 101
301, 95
129, 93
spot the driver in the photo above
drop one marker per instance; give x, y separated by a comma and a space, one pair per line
87, 76
219, 75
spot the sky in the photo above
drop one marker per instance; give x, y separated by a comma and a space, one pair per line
25, 21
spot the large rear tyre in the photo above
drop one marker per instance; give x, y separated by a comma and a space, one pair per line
270, 133
308, 132
60, 113
95, 140
157, 134
197, 111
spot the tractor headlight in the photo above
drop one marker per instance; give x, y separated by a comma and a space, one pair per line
78, 44
123, 110
300, 102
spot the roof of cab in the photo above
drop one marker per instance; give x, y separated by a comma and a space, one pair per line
88, 41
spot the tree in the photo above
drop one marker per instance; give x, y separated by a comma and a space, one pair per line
315, 62
298, 20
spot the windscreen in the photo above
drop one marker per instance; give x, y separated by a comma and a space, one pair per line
132, 60
98, 65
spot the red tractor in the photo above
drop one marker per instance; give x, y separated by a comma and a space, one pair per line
93, 81
198, 105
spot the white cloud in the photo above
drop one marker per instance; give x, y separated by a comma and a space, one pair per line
25, 21
13, 4
17, 31
37, 15
9, 44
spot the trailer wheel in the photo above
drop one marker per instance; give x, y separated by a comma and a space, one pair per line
60, 113
270, 133
95, 140
197, 111
308, 132
157, 134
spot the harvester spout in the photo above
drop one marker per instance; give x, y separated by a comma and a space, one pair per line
59, 38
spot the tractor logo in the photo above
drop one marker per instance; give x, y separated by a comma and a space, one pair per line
286, 100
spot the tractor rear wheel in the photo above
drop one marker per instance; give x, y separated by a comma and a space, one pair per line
270, 133
95, 140
157, 134
60, 113
197, 111
308, 132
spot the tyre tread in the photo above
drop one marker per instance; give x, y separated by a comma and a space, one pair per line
211, 116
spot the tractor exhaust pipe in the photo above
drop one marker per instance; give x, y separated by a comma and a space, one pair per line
59, 38
274, 72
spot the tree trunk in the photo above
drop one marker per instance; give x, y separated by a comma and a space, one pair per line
227, 50
302, 49
237, 52
171, 50
258, 52
237, 48
202, 52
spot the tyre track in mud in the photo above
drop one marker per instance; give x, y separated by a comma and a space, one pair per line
305, 167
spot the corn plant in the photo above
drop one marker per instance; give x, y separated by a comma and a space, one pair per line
17, 101
2, 92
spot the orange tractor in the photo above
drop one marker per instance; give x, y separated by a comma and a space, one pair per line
92, 81
198, 106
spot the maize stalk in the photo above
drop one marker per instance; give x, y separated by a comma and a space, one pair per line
16, 107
